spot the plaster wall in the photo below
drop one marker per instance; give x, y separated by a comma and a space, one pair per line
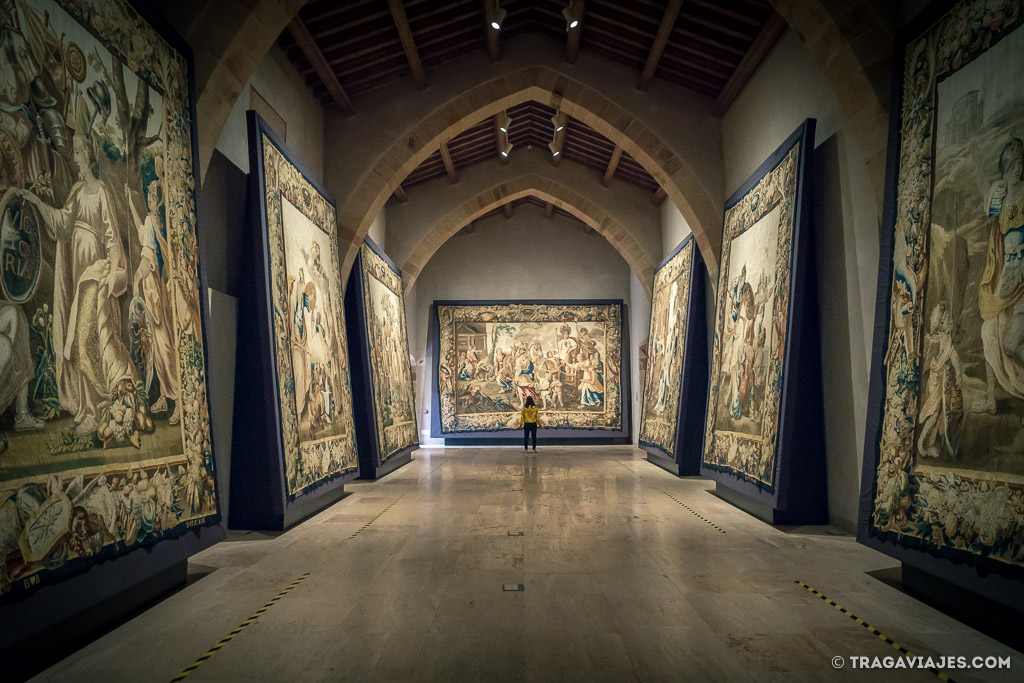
222, 227
787, 88
282, 87
639, 331
526, 257
674, 228
377, 231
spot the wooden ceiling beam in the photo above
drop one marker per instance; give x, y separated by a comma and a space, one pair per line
773, 28
400, 194
315, 57
559, 141
501, 139
338, 28
572, 44
718, 28
408, 44
668, 22
493, 45
717, 8
690, 36
659, 196
612, 165
449, 166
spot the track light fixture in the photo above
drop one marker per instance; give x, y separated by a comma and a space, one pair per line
572, 16
506, 149
497, 16
505, 123
555, 149
559, 121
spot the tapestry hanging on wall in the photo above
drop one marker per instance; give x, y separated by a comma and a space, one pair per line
314, 388
493, 356
944, 468
752, 325
665, 350
391, 375
105, 431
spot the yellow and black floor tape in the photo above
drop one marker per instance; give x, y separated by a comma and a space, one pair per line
378, 516
694, 512
241, 627
881, 636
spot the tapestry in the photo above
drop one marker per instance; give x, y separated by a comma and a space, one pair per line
390, 372
492, 357
104, 420
947, 464
314, 387
660, 409
751, 327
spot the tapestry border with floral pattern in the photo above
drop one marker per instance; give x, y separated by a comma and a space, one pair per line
450, 313
282, 178
968, 517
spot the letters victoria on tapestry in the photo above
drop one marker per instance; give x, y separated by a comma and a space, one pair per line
104, 427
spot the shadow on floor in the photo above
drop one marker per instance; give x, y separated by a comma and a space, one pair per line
987, 616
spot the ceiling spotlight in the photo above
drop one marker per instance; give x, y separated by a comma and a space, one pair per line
572, 17
506, 149
559, 121
505, 123
497, 17
555, 149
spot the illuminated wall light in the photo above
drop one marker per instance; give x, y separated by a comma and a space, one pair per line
497, 17
559, 121
505, 124
555, 149
506, 149
572, 17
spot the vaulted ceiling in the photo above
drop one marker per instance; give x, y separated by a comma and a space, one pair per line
708, 47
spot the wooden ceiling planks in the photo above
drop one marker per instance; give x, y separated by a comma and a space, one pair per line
708, 47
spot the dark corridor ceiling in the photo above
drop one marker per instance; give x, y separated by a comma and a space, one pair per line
707, 47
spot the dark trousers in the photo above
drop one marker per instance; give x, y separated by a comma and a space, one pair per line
528, 429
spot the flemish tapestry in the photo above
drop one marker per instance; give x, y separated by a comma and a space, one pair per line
314, 387
665, 346
391, 375
104, 422
948, 461
751, 327
492, 357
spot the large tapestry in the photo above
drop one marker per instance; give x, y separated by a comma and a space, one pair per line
666, 343
391, 374
104, 431
751, 326
314, 388
566, 356
946, 467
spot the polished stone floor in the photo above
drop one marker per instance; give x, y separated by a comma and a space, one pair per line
625, 577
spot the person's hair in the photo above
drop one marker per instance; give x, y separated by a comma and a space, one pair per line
90, 154
529, 402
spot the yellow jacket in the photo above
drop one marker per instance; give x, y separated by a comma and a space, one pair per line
530, 414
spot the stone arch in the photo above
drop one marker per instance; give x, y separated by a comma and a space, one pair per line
831, 41
677, 176
543, 188
229, 39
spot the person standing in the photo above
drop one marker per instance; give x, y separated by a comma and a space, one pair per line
531, 417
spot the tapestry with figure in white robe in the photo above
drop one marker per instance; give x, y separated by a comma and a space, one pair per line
104, 419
